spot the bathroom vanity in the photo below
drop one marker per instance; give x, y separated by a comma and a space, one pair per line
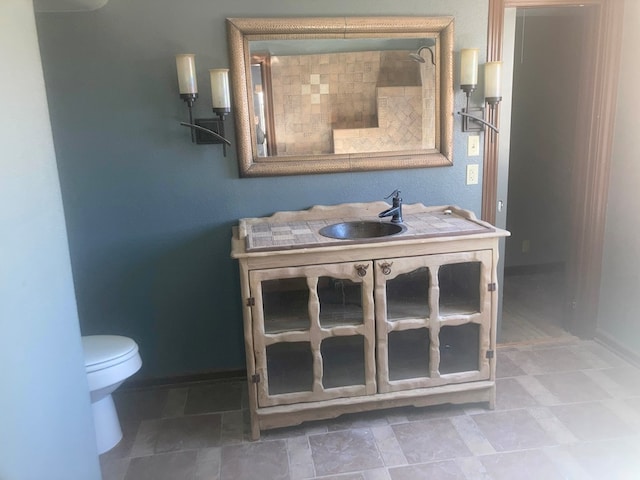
335, 326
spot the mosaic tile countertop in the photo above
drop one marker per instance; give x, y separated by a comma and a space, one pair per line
304, 234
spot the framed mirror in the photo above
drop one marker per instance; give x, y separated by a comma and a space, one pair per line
321, 95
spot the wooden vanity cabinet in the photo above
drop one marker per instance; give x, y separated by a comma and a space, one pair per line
340, 329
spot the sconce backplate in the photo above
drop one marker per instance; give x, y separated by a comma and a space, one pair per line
214, 124
468, 124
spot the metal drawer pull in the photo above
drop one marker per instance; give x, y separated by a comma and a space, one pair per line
386, 267
362, 270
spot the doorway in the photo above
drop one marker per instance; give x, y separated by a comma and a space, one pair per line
593, 147
547, 52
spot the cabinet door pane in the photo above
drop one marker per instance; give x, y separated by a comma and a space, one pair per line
340, 302
408, 295
295, 311
459, 288
408, 354
459, 348
290, 367
285, 304
343, 361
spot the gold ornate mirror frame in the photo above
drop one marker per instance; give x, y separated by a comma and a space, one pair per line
241, 31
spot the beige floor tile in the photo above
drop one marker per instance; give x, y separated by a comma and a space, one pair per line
511, 394
538, 391
300, 459
512, 430
552, 425
187, 433
376, 474
446, 470
430, 440
523, 465
472, 436
113, 468
548, 360
610, 459
505, 367
592, 421
140, 404
255, 461
388, 446
628, 378
168, 466
214, 397
234, 427
208, 464
344, 451
570, 387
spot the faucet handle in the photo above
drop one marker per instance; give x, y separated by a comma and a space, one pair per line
394, 194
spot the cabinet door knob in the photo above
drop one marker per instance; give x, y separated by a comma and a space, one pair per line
362, 270
386, 267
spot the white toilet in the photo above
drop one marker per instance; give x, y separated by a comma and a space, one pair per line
109, 360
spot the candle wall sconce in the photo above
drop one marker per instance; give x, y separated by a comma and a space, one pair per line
473, 117
204, 130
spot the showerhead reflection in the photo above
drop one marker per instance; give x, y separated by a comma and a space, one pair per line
419, 58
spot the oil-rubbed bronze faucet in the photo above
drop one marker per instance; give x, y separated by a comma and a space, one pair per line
396, 208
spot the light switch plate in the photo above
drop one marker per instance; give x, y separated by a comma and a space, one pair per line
472, 174
473, 146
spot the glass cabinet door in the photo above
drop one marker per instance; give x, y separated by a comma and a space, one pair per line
313, 332
433, 319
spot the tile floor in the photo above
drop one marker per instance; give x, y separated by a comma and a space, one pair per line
533, 307
564, 411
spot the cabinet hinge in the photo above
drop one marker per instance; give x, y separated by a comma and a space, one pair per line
251, 302
490, 354
255, 378
492, 287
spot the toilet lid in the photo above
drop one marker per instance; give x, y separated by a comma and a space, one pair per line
101, 351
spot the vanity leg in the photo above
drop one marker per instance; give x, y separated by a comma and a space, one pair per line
255, 427
253, 407
491, 403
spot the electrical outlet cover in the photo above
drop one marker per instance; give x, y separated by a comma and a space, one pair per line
472, 174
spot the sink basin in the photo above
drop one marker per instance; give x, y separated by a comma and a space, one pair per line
361, 229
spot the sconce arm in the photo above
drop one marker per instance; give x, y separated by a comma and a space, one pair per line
210, 132
481, 120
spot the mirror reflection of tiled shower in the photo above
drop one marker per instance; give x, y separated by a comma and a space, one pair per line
352, 102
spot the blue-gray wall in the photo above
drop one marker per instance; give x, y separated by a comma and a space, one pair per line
149, 214
46, 425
